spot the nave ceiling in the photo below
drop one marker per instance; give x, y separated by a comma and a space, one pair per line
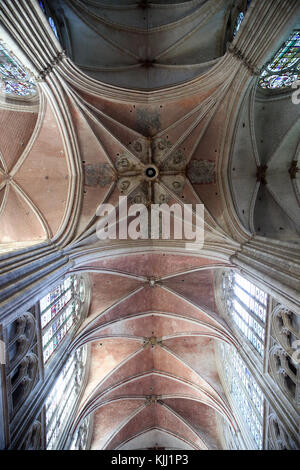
152, 326
101, 120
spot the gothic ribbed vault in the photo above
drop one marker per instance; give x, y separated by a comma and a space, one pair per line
148, 44
152, 86
153, 324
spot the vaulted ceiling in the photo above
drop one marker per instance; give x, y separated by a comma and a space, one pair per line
118, 141
265, 188
152, 326
153, 321
34, 175
149, 44
103, 118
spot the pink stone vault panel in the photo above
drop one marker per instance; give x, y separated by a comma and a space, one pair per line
106, 355
44, 174
127, 368
198, 352
151, 417
28, 227
138, 116
152, 324
152, 308
153, 265
16, 130
200, 416
197, 287
107, 289
111, 416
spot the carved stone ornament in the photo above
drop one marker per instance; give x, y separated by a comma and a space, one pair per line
98, 174
202, 172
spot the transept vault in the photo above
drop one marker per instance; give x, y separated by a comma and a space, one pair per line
157, 101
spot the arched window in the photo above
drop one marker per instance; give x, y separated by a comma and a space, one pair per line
22, 360
14, 79
278, 437
48, 14
33, 437
30, 341
284, 352
60, 311
243, 393
61, 402
284, 68
246, 306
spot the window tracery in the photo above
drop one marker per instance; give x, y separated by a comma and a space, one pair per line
80, 438
33, 438
231, 439
60, 312
246, 305
22, 366
278, 437
14, 79
62, 399
244, 392
284, 352
26, 355
284, 68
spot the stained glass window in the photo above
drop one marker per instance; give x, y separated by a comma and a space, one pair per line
246, 305
238, 23
284, 68
61, 401
60, 310
14, 80
240, 19
53, 27
42, 5
243, 391
50, 19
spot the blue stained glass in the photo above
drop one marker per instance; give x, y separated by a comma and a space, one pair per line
42, 5
62, 398
50, 19
239, 21
52, 24
63, 313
